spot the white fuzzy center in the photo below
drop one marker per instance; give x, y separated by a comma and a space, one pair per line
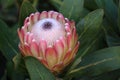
48, 29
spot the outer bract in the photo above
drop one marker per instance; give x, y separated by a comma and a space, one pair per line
49, 37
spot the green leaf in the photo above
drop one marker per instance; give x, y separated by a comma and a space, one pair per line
84, 13
19, 64
112, 38
56, 3
111, 12
4, 77
88, 29
26, 10
36, 70
7, 3
13, 31
119, 16
113, 75
73, 10
13, 73
99, 62
17, 60
2, 66
7, 44
90, 4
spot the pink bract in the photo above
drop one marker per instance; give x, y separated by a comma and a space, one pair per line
49, 37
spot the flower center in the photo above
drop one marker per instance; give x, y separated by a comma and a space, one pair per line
48, 29
47, 25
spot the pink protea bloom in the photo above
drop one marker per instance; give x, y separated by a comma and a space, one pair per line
49, 37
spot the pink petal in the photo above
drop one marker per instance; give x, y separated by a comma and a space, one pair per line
31, 19
34, 48
28, 37
67, 57
60, 18
58, 67
29, 26
43, 15
72, 23
59, 47
21, 49
54, 15
75, 49
27, 50
26, 20
42, 48
50, 13
44, 62
71, 54
75, 36
64, 42
70, 40
51, 56
36, 17
66, 20
67, 27
21, 35
25, 27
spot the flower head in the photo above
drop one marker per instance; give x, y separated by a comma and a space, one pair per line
49, 37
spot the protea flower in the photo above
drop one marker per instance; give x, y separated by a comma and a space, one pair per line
49, 37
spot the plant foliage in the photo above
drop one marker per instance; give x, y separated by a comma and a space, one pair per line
98, 28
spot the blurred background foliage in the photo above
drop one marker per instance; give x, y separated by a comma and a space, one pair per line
88, 14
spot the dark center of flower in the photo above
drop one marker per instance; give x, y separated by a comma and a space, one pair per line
47, 25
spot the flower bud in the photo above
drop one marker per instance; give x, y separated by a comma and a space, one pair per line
49, 37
